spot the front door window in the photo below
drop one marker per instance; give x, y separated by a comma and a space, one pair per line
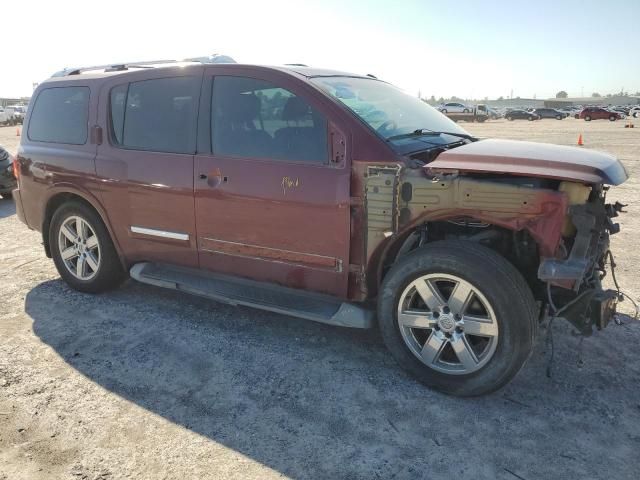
256, 119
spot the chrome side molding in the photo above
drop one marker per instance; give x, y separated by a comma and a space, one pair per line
159, 233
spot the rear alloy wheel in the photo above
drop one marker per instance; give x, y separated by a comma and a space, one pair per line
530, 118
559, 117
444, 110
612, 118
466, 110
79, 248
82, 249
447, 313
587, 118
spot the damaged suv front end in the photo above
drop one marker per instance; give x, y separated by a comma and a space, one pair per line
467, 245
573, 260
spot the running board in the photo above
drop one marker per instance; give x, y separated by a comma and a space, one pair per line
239, 291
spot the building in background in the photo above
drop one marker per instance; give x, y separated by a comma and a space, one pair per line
5, 102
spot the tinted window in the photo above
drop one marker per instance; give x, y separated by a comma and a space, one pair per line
60, 115
157, 115
253, 118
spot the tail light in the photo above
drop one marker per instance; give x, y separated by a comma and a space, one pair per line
16, 167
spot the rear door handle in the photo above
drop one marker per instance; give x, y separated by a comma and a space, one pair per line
214, 178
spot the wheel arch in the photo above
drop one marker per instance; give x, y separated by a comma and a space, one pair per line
389, 254
63, 195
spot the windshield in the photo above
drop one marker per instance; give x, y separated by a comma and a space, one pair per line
385, 108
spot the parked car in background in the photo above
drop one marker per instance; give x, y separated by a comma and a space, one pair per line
521, 115
453, 107
549, 113
18, 113
326, 196
6, 117
493, 113
7, 178
623, 111
599, 113
634, 112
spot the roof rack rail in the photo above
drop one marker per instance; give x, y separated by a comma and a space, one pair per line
116, 67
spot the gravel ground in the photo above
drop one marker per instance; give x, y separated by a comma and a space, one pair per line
148, 383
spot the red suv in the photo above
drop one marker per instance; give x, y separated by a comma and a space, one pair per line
323, 195
598, 113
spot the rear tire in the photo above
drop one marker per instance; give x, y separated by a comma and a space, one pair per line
91, 263
587, 118
494, 285
612, 118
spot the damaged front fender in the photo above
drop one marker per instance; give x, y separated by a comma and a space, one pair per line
398, 199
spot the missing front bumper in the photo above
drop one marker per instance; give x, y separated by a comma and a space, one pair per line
592, 308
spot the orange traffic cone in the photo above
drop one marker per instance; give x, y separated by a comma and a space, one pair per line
17, 132
580, 143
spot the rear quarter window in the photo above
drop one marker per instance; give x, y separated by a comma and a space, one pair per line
60, 115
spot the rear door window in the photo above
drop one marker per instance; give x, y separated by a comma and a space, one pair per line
156, 115
60, 115
257, 119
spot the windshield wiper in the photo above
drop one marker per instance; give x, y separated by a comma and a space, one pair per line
420, 132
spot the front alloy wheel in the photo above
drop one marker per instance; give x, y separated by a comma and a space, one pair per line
457, 316
447, 324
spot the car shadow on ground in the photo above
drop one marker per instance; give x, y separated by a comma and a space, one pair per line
305, 399
7, 207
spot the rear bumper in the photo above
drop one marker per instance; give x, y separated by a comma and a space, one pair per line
19, 210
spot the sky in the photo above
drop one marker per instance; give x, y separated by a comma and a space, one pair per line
471, 49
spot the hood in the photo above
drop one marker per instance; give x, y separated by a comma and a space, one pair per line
532, 159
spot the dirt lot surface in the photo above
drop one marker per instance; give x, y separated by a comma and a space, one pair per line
146, 383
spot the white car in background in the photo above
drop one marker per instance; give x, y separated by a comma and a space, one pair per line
634, 112
5, 117
453, 107
17, 111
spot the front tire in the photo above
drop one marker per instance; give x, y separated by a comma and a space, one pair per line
447, 314
612, 118
82, 249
